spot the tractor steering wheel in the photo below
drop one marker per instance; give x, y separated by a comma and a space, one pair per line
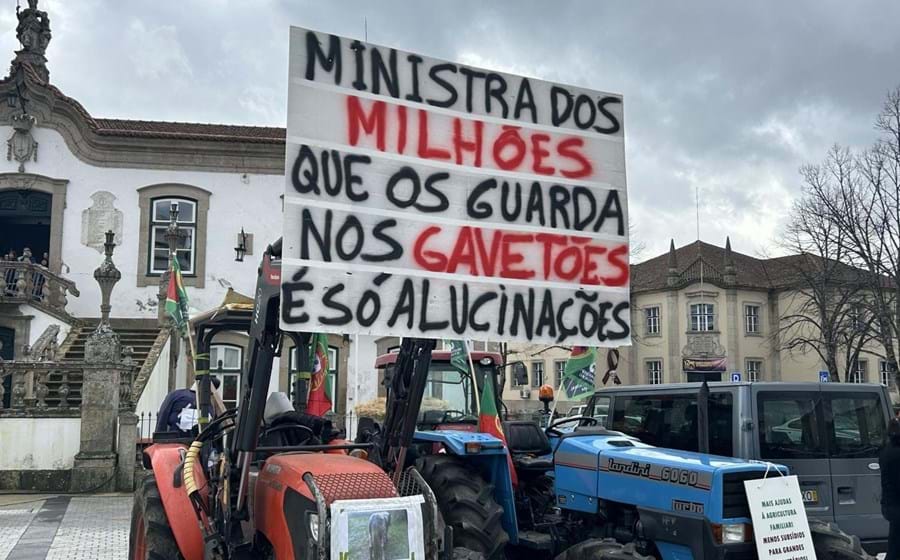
308, 433
553, 432
453, 416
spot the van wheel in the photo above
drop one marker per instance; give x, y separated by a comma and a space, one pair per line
602, 549
833, 544
151, 536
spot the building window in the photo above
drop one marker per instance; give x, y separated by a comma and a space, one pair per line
559, 369
153, 250
184, 245
858, 372
702, 317
225, 363
330, 380
751, 319
537, 374
652, 320
885, 373
753, 369
654, 372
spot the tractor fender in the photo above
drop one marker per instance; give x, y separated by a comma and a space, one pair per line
165, 459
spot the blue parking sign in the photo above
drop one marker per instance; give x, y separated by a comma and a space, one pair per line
735, 377
823, 377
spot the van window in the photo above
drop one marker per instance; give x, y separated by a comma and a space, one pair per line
858, 429
789, 427
598, 408
671, 421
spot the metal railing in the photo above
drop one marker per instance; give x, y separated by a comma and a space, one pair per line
24, 282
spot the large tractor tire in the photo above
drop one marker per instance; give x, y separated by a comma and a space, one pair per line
151, 535
467, 504
833, 544
601, 549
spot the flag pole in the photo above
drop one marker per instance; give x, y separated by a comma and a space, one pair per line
474, 378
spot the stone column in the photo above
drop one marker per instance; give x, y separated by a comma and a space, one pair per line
127, 450
95, 463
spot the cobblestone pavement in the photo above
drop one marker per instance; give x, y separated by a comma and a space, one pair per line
65, 528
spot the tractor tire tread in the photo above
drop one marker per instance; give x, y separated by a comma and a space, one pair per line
466, 503
831, 543
601, 549
466, 554
158, 537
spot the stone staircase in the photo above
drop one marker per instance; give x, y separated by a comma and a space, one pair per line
139, 334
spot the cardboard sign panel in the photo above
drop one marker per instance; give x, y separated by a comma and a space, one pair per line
780, 526
427, 198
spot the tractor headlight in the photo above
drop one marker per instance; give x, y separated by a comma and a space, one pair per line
732, 533
314, 527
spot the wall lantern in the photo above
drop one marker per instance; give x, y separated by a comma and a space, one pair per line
241, 248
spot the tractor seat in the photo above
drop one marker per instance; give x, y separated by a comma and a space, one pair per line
528, 446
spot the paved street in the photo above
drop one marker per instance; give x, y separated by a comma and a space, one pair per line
64, 527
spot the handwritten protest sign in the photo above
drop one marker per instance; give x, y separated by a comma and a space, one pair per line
780, 526
429, 198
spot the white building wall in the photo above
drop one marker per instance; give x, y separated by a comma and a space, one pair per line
252, 202
39, 443
157, 385
39, 323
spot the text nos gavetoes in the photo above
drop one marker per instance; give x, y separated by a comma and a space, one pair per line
428, 198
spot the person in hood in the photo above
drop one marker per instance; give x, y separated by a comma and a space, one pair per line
889, 463
178, 412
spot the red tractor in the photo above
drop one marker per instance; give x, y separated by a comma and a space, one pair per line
264, 480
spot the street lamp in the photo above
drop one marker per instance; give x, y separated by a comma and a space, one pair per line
241, 249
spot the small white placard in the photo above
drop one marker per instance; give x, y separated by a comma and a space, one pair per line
187, 419
378, 529
780, 526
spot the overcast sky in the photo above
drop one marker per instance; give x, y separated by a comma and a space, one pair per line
730, 97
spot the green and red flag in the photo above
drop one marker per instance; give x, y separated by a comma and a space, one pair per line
489, 423
176, 297
318, 402
579, 373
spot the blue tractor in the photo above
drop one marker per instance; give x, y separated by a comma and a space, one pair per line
587, 494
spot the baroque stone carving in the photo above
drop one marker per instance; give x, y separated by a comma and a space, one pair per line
103, 346
34, 34
703, 345
33, 30
101, 217
22, 146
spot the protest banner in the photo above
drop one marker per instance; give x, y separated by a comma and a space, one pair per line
434, 199
780, 526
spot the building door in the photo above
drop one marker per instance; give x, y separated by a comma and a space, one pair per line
25, 222
7, 353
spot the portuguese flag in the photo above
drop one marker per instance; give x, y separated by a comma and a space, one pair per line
489, 423
318, 402
176, 297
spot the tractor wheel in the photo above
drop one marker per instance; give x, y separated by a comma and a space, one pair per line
151, 536
601, 549
833, 544
467, 505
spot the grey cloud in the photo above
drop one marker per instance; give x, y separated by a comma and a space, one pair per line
729, 96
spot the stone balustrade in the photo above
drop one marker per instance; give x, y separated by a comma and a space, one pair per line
54, 388
24, 282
